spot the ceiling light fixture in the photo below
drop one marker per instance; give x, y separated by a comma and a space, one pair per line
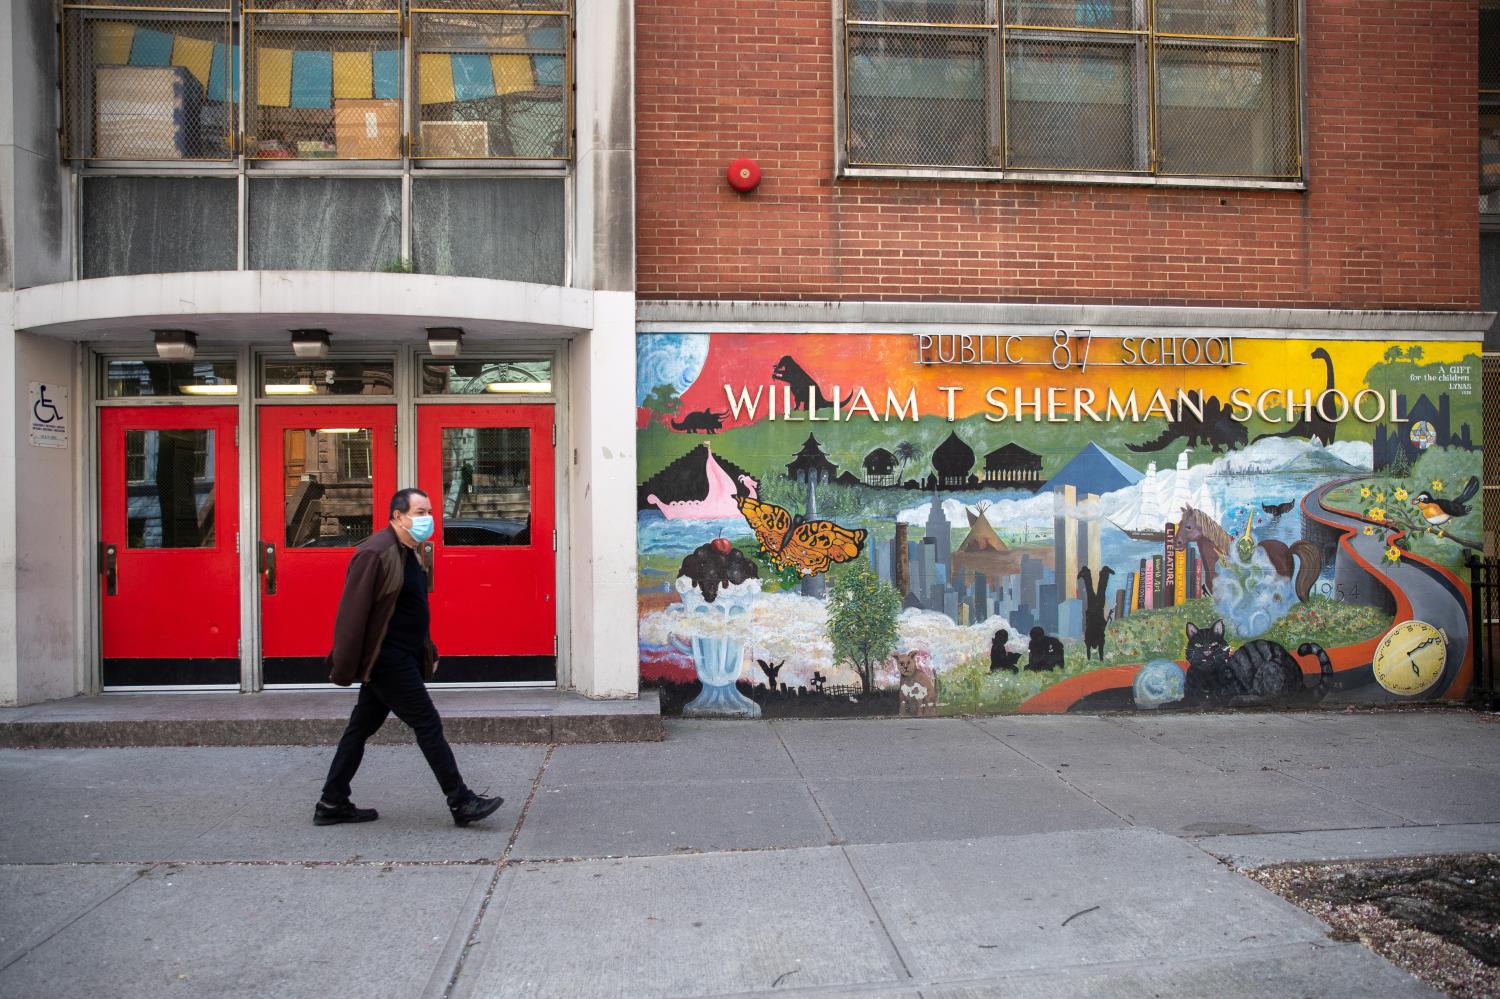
176, 345
444, 341
291, 389
310, 344
208, 389
519, 388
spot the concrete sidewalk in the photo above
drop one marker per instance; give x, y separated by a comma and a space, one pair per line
1051, 856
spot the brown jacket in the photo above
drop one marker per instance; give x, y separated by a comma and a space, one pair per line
371, 588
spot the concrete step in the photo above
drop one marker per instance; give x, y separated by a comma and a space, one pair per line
317, 718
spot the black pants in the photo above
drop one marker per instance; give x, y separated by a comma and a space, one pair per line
395, 684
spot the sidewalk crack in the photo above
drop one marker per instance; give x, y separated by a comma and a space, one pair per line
125, 883
873, 912
834, 838
1054, 773
500, 865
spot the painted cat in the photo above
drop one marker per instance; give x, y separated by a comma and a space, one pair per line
1259, 673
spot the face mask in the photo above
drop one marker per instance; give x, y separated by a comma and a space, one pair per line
421, 527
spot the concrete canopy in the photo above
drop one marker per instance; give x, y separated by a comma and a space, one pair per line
246, 306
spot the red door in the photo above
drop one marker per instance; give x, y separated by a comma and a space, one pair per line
489, 472
326, 476
168, 524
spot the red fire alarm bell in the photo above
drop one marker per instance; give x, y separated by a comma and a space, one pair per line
744, 175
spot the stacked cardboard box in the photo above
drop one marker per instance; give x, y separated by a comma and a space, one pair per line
146, 112
367, 129
455, 139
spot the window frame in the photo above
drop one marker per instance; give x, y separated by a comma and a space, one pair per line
844, 168
238, 17
244, 170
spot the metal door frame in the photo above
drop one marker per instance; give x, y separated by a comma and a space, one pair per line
248, 358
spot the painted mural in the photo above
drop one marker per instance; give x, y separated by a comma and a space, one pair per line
851, 524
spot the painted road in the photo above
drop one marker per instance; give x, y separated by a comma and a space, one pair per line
1418, 589
1423, 591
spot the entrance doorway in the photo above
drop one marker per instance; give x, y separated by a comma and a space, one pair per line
179, 572
492, 558
326, 476
168, 536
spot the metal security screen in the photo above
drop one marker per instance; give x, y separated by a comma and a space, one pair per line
339, 80
491, 79
1194, 88
153, 81
323, 80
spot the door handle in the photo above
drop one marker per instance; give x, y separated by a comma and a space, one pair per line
107, 567
427, 563
268, 564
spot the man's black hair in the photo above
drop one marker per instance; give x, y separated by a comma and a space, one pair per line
401, 502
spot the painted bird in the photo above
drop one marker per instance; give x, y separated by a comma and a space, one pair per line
1439, 511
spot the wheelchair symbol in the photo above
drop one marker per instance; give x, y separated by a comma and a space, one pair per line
44, 405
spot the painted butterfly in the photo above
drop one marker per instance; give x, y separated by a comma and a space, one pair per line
807, 546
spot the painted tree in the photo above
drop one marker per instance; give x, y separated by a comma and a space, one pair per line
862, 615
1399, 465
1393, 352
1414, 354
663, 401
907, 452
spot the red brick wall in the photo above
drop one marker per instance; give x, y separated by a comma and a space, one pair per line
1388, 220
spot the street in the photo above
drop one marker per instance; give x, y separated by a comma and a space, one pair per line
1017, 856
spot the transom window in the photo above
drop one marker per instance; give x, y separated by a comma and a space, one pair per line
1189, 88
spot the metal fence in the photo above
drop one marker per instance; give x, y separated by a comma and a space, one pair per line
1484, 583
149, 81
490, 85
1170, 87
156, 80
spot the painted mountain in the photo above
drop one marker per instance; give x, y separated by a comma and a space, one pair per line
1093, 470
686, 479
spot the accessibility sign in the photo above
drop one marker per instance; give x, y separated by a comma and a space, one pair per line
49, 414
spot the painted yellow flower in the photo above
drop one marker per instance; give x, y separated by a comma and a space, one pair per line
1393, 554
1376, 513
1364, 492
1380, 497
1437, 485
1401, 494
1369, 529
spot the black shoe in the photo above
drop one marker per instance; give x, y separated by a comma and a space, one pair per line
325, 814
471, 807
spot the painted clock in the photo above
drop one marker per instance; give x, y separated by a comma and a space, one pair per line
1410, 658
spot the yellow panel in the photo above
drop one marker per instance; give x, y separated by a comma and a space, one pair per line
112, 43
353, 75
195, 54
512, 73
273, 76
435, 78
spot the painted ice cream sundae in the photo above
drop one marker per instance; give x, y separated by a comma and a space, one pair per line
718, 584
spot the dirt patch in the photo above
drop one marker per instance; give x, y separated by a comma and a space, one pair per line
1437, 917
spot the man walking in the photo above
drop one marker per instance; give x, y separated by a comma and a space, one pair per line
380, 638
